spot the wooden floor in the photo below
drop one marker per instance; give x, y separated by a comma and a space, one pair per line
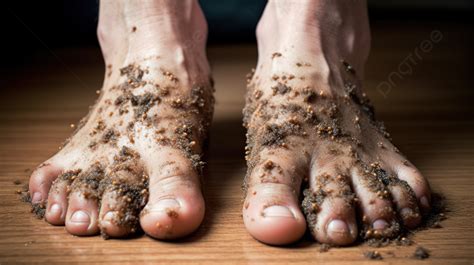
428, 110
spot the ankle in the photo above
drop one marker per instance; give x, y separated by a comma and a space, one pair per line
149, 24
323, 32
173, 31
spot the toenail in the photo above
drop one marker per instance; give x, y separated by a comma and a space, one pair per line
109, 216
277, 211
55, 210
380, 224
36, 197
406, 212
80, 217
424, 202
166, 204
336, 227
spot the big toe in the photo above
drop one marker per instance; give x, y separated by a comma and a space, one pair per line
175, 215
272, 215
176, 205
271, 209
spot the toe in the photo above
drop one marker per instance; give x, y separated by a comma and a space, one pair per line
329, 208
271, 210
405, 202
82, 215
82, 212
271, 214
418, 184
57, 198
176, 205
41, 180
57, 203
121, 203
118, 214
378, 216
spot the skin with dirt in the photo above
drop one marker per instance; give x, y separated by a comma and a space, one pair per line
292, 114
137, 102
305, 113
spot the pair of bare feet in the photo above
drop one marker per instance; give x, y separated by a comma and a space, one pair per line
316, 156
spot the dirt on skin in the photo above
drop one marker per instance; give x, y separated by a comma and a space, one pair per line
143, 103
196, 108
276, 134
313, 200
87, 182
125, 179
300, 113
311, 205
281, 89
430, 220
128, 185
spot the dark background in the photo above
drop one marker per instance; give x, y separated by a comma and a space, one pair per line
32, 26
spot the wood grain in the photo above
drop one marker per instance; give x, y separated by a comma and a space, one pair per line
429, 113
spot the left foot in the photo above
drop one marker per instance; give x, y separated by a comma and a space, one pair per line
309, 121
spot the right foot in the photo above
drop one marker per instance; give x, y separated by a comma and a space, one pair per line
309, 121
135, 159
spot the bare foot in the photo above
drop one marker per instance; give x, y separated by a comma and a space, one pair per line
309, 123
136, 158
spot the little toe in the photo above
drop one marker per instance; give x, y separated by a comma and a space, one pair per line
271, 209
176, 206
418, 184
329, 209
41, 180
378, 216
